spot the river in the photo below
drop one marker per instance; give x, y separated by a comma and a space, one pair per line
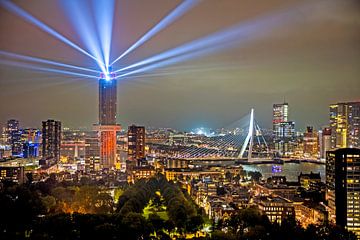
289, 170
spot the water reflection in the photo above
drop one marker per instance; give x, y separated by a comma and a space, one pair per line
290, 170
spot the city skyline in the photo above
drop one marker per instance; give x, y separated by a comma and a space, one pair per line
211, 90
180, 119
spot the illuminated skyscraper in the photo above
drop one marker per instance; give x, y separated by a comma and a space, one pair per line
311, 142
136, 144
31, 140
107, 101
324, 141
280, 114
343, 187
92, 153
13, 137
107, 127
345, 125
285, 138
51, 140
283, 129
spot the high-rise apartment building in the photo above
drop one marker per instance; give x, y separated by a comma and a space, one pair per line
107, 126
345, 125
280, 115
12, 125
311, 144
107, 100
31, 141
343, 187
284, 140
324, 141
287, 130
51, 140
92, 153
136, 144
13, 137
283, 130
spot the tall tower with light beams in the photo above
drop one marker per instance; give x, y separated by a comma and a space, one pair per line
107, 126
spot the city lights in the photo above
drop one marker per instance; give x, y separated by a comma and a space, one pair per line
182, 156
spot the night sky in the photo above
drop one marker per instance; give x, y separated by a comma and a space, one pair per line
311, 60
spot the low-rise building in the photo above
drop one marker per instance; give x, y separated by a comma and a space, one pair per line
14, 174
282, 190
310, 181
276, 208
308, 213
174, 174
139, 172
217, 208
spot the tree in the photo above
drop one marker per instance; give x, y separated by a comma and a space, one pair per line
237, 178
157, 201
290, 228
194, 223
330, 232
257, 232
49, 203
178, 214
255, 176
105, 231
220, 191
104, 203
156, 222
52, 179
169, 225
220, 235
137, 226
244, 219
86, 224
117, 193
85, 181
64, 199
228, 175
59, 226
30, 178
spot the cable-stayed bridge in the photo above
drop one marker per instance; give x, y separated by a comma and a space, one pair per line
243, 141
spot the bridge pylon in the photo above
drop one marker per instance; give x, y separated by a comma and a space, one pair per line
254, 131
249, 140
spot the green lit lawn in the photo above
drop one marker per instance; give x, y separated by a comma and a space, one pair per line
31, 167
151, 209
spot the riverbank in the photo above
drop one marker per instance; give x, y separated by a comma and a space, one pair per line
290, 170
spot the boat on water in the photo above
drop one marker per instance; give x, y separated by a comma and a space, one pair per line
276, 168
